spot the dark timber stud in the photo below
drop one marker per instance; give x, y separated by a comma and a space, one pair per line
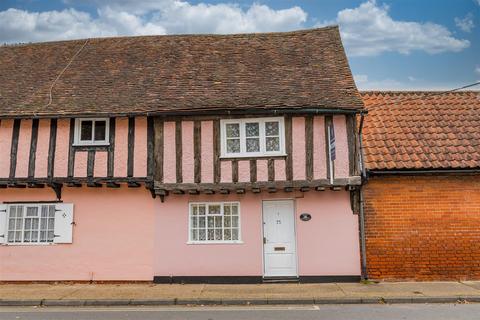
131, 146
14, 148
33, 148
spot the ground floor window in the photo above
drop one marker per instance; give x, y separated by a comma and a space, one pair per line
214, 222
36, 223
31, 223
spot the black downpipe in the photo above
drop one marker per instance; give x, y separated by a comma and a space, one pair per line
361, 215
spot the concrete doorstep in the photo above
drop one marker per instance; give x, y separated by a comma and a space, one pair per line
148, 294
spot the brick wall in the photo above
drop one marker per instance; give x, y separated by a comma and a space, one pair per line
423, 227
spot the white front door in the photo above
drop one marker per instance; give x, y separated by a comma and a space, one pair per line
280, 256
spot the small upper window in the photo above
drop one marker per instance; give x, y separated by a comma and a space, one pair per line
252, 137
91, 132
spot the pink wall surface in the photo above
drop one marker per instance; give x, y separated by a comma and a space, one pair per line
226, 171
327, 244
80, 169
298, 146
187, 152
169, 159
61, 149
6, 128
112, 238
23, 151
41, 157
341, 144
244, 171
319, 152
207, 151
121, 147
100, 169
262, 170
140, 149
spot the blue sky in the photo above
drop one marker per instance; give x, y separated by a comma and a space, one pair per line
391, 44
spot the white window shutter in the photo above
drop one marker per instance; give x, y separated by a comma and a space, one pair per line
63, 223
3, 223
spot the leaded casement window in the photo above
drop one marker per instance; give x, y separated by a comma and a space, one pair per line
91, 132
214, 222
252, 137
36, 223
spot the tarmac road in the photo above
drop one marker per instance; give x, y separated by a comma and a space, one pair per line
330, 312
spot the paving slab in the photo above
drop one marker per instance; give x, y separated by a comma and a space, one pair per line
291, 293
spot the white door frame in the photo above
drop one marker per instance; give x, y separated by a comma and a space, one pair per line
294, 232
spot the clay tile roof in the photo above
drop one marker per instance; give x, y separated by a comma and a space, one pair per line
192, 73
421, 130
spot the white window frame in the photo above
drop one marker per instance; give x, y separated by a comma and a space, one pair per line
93, 142
243, 153
206, 204
23, 242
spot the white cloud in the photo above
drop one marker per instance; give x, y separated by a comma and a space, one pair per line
477, 68
125, 17
360, 78
466, 24
369, 30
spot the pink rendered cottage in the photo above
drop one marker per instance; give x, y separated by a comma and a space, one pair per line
190, 158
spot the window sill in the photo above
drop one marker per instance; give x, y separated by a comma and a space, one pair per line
28, 244
214, 242
247, 156
76, 144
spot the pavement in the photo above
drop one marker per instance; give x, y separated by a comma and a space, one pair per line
133, 294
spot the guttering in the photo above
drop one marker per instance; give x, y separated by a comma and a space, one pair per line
198, 112
423, 172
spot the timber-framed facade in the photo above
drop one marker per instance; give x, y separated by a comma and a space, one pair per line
249, 141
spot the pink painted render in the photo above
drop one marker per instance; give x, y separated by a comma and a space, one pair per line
23, 151
100, 168
226, 171
280, 173
112, 238
262, 170
121, 147
327, 244
41, 158
187, 152
298, 146
341, 145
319, 151
169, 152
6, 128
80, 169
140, 148
61, 149
207, 151
243, 171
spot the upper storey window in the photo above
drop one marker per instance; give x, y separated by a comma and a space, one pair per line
91, 132
253, 137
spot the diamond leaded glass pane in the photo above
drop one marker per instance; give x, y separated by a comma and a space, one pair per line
233, 146
272, 144
233, 130
272, 128
252, 129
253, 144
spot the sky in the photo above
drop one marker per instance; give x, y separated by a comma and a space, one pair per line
390, 44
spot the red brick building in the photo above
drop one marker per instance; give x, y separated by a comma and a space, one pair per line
422, 196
